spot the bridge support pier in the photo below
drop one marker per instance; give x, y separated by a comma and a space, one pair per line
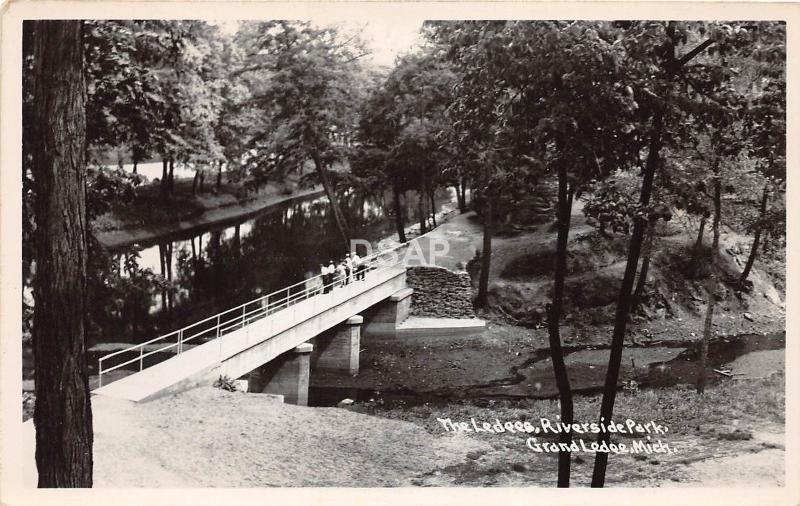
338, 349
287, 375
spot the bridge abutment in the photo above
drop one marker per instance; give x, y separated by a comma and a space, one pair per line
391, 312
287, 375
337, 350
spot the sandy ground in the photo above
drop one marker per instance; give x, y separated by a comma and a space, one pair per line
764, 469
758, 364
758, 463
213, 438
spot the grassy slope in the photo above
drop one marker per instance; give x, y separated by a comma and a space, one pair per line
721, 432
521, 283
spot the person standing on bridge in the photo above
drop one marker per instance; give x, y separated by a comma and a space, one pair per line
324, 273
348, 265
359, 267
330, 283
341, 272
331, 275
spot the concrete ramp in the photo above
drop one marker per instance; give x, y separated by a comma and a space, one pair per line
256, 343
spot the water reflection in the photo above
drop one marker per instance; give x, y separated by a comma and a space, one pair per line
200, 275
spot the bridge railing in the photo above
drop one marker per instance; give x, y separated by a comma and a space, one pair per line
214, 327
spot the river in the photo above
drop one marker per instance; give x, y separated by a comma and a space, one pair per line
157, 287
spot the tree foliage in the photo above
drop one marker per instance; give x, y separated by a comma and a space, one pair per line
304, 80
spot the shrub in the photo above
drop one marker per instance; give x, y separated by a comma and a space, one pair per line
226, 383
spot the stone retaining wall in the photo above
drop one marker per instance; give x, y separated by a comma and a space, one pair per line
439, 292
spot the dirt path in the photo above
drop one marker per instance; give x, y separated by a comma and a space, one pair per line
461, 235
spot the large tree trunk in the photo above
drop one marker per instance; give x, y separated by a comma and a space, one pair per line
341, 223
486, 254
554, 318
462, 205
194, 250
461, 193
433, 205
168, 260
217, 264
694, 262
171, 176
162, 257
237, 239
712, 284
194, 182
756, 238
624, 299
63, 414
642, 281
164, 187
398, 212
219, 174
422, 208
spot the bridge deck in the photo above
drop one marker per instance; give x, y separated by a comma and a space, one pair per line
258, 341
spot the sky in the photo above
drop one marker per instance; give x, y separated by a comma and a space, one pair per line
387, 36
391, 37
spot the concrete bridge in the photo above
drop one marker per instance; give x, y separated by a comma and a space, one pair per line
275, 330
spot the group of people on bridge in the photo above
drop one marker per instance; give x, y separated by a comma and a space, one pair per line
350, 268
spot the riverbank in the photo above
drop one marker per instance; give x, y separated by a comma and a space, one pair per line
207, 211
512, 362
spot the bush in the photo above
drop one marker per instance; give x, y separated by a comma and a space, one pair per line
226, 383
287, 189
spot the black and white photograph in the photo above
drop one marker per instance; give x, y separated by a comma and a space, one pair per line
367, 248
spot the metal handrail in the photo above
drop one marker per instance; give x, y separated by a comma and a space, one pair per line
370, 263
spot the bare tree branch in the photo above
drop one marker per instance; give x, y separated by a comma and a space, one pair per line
261, 66
694, 52
354, 58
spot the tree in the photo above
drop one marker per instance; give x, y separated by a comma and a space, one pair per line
722, 145
580, 144
232, 127
715, 88
154, 86
399, 131
202, 77
63, 415
765, 124
475, 120
375, 162
305, 80
125, 100
515, 102
612, 205
666, 39
665, 79
421, 85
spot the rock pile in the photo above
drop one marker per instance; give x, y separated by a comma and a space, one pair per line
440, 293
